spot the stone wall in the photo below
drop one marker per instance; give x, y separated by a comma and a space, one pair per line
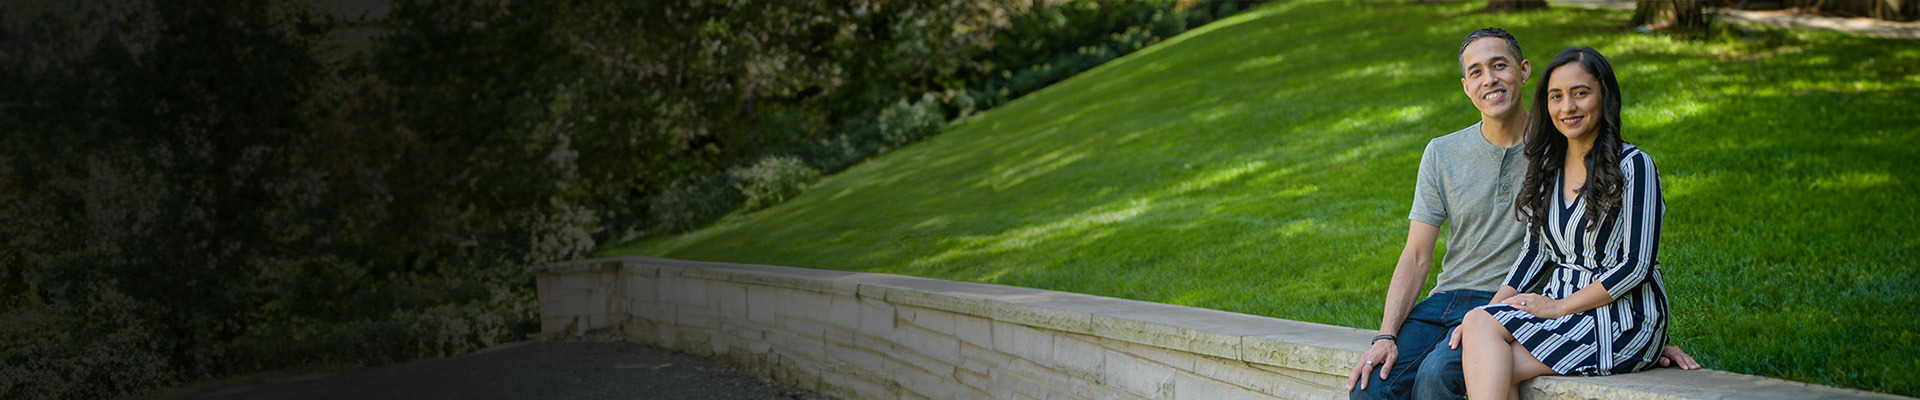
879, 336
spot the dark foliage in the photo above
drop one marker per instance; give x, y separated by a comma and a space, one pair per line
209, 188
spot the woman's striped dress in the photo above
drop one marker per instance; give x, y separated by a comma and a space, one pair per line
1563, 257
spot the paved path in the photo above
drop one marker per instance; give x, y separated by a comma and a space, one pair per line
529, 370
1791, 20
1782, 19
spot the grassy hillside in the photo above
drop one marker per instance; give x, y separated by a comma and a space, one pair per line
1264, 164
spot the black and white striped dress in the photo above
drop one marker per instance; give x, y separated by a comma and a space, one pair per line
1559, 259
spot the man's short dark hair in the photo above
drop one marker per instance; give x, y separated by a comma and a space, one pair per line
1513, 45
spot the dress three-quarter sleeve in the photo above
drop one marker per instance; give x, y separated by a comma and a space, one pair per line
1642, 209
1530, 267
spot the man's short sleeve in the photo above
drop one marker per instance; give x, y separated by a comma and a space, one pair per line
1429, 200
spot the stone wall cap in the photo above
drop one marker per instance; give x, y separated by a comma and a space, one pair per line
1697, 384
1305, 346
573, 266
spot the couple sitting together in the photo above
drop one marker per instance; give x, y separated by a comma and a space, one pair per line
1550, 199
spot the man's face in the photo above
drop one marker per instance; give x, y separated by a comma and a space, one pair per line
1492, 77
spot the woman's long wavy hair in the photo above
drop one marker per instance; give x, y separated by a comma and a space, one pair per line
1547, 148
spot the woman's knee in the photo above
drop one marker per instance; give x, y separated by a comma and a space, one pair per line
1477, 321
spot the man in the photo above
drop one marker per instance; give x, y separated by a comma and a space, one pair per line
1467, 178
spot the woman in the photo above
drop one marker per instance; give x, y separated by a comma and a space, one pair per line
1594, 303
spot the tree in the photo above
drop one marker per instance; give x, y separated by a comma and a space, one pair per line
1894, 10
1689, 16
1515, 5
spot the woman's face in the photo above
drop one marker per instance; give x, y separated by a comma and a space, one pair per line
1573, 100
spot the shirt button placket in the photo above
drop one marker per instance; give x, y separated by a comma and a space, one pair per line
1506, 160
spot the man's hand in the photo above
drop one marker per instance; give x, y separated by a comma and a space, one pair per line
1672, 356
1381, 355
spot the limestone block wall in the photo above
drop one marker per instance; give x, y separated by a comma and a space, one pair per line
878, 336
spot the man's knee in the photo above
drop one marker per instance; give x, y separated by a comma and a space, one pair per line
1440, 377
1439, 381
1372, 392
1380, 388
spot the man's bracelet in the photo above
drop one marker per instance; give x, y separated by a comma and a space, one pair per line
1387, 337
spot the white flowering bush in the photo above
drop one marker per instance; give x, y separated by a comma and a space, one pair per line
772, 181
904, 122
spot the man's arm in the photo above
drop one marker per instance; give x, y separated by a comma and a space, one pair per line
1409, 274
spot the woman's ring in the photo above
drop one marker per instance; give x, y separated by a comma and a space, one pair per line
1523, 302
1369, 363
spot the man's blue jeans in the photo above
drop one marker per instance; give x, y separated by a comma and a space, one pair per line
1427, 369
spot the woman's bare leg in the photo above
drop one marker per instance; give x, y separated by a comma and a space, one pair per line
1494, 362
1486, 356
1525, 367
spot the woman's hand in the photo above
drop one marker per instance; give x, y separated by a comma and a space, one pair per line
1539, 306
1382, 355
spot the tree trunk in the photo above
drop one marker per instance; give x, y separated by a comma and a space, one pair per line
1515, 5
1690, 16
1891, 10
1643, 12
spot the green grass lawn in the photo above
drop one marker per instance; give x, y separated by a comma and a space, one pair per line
1264, 164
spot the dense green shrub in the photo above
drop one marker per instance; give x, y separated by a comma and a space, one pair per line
693, 203
772, 180
1058, 42
857, 139
171, 219
903, 122
52, 353
964, 104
